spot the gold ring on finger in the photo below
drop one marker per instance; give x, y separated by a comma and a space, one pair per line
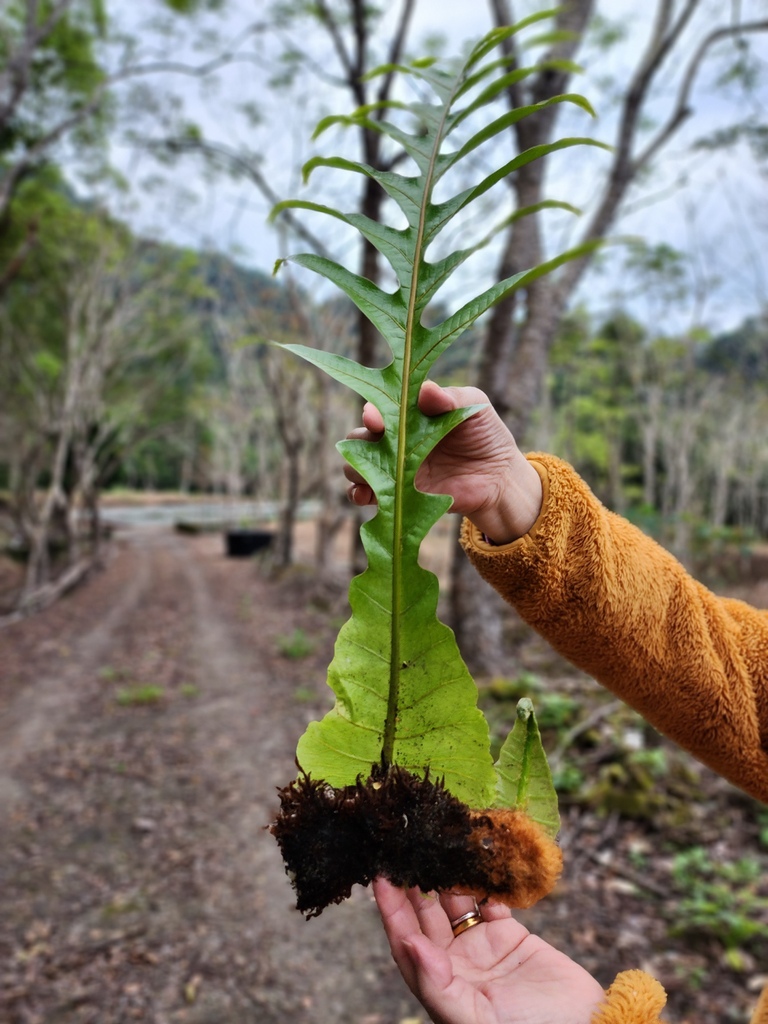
466, 921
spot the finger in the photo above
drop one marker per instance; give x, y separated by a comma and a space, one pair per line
495, 912
433, 919
457, 905
432, 965
363, 434
401, 923
361, 494
373, 419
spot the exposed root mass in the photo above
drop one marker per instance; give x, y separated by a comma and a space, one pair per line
414, 832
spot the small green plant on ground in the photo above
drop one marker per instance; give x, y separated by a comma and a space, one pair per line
295, 645
762, 822
110, 674
139, 695
304, 695
724, 901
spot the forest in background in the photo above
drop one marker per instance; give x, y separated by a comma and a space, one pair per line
132, 362
141, 366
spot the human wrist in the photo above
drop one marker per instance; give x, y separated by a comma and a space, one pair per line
517, 505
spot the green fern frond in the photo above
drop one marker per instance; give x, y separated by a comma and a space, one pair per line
403, 693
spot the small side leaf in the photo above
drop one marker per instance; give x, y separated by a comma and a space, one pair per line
366, 381
524, 780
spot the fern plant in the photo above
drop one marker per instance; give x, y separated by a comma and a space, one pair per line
405, 701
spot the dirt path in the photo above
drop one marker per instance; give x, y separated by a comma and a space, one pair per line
144, 725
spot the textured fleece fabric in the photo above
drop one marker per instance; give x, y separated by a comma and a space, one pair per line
621, 608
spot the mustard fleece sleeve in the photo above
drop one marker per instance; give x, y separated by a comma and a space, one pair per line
620, 607
637, 998
634, 998
760, 1016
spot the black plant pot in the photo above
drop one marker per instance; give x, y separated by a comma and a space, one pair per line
244, 543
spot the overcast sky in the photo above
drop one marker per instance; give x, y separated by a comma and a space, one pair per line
712, 206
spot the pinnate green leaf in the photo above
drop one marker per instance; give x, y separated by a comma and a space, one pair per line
403, 694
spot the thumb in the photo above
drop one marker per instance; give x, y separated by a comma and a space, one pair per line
434, 400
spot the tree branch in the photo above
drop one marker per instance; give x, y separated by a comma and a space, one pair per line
237, 161
17, 72
625, 167
333, 30
502, 15
681, 110
395, 50
659, 46
9, 182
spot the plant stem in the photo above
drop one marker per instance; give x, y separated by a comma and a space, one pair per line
396, 665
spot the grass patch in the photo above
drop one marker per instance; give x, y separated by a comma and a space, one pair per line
304, 695
295, 645
110, 674
140, 696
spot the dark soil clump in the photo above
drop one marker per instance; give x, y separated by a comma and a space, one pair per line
414, 832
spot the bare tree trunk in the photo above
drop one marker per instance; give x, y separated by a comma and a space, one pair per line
618, 501
38, 523
513, 360
724, 456
290, 506
650, 436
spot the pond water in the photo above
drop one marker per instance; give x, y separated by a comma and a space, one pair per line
203, 513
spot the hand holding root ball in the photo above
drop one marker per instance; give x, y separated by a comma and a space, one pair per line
487, 969
478, 464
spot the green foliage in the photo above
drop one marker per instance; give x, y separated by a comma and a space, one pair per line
140, 695
85, 267
523, 776
593, 384
295, 645
193, 6
501, 689
762, 820
556, 710
605, 33
63, 73
403, 694
108, 673
726, 901
740, 355
630, 784
636, 411
304, 695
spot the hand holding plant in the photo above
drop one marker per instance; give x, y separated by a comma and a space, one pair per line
478, 465
398, 778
